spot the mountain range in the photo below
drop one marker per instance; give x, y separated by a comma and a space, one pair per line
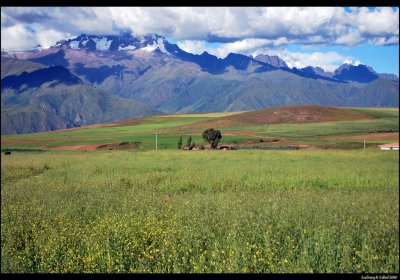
92, 79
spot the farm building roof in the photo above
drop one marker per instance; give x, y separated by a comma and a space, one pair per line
389, 145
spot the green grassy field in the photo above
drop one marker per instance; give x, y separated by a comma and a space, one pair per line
170, 127
333, 209
201, 211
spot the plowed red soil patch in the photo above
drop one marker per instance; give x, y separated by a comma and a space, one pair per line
298, 114
281, 115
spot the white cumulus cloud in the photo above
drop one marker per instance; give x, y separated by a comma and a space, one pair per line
17, 37
192, 46
246, 30
350, 61
381, 21
324, 25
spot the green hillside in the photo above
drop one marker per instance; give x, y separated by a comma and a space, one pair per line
244, 128
11, 66
52, 98
53, 108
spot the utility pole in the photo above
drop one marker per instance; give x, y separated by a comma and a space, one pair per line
156, 142
364, 144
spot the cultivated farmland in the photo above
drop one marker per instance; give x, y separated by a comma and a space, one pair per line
313, 126
324, 210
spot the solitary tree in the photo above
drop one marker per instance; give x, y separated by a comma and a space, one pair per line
189, 141
212, 137
180, 143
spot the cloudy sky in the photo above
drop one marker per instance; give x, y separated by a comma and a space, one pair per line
302, 36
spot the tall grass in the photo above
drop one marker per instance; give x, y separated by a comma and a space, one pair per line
201, 211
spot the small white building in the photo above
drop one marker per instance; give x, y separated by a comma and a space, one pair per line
391, 146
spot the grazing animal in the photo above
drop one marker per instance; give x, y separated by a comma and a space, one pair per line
8, 153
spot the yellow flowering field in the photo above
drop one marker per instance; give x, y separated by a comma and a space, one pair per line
199, 212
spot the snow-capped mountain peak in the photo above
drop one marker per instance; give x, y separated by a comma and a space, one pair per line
149, 42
